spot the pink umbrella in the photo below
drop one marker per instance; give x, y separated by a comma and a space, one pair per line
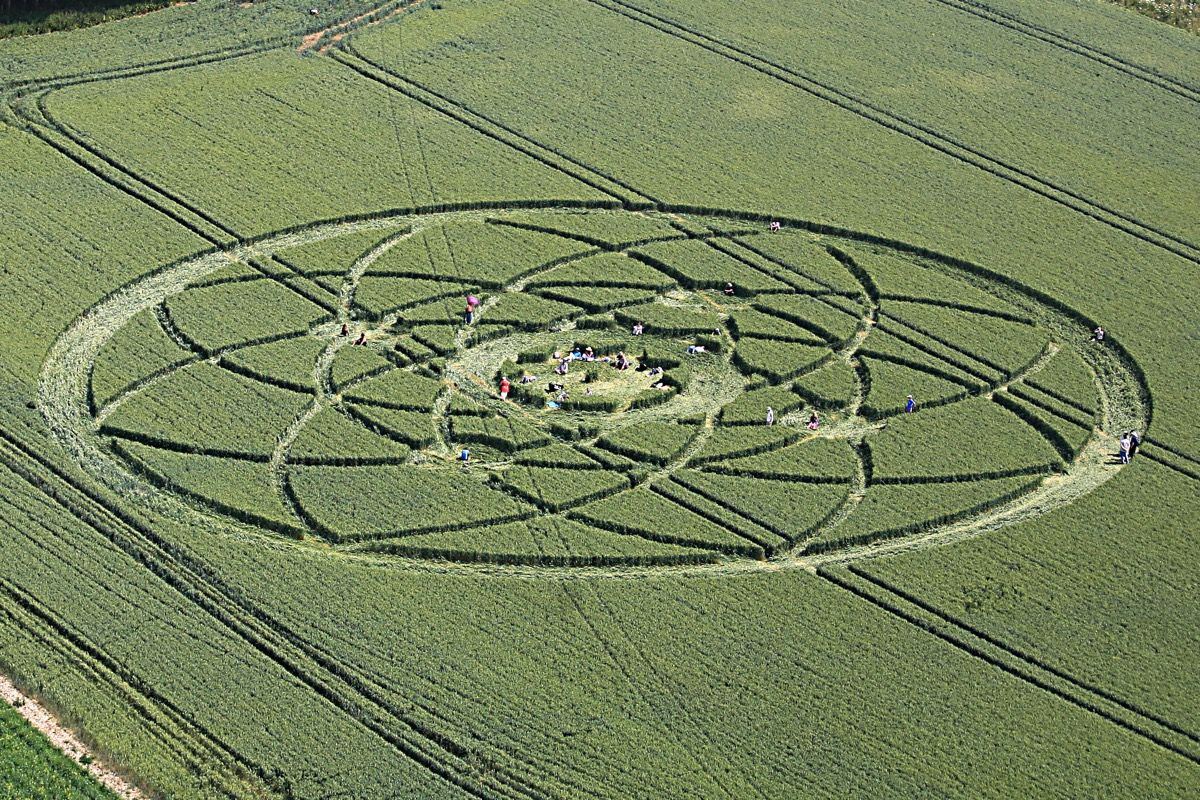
472, 300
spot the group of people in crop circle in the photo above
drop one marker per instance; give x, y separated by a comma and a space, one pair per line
1129, 442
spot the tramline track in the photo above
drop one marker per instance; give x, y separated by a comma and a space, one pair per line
428, 748
1076, 46
926, 135
1005, 657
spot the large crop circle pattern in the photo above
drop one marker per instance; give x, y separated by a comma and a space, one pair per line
324, 384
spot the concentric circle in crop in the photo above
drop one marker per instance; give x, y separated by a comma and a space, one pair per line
682, 387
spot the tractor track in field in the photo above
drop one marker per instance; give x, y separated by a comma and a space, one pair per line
1034, 661
15, 90
432, 98
175, 730
1075, 46
998, 654
919, 132
253, 625
25, 107
622, 667
485, 126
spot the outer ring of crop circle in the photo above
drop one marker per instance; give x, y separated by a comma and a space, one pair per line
55, 383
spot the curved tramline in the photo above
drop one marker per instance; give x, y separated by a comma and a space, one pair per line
346, 429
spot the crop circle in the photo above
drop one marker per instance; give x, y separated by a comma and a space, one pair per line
682, 388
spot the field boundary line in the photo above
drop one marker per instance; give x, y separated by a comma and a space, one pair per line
911, 129
64, 740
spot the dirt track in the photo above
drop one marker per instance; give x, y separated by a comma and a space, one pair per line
40, 717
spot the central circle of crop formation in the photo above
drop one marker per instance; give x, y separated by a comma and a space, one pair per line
682, 389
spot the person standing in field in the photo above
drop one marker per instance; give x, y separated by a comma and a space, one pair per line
813, 422
910, 406
1126, 443
464, 456
504, 387
1135, 441
770, 416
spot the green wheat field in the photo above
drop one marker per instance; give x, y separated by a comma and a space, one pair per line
598, 399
